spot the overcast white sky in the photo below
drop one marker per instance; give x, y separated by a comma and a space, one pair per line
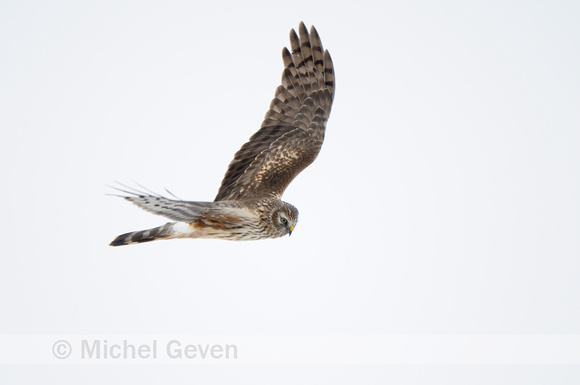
445, 200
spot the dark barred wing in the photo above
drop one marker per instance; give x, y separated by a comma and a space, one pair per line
292, 132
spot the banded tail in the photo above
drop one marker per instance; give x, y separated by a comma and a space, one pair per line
169, 230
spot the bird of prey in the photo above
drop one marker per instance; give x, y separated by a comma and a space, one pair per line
248, 205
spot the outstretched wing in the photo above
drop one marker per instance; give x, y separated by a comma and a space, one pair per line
293, 129
180, 210
174, 209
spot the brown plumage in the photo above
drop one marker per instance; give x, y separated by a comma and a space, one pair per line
248, 205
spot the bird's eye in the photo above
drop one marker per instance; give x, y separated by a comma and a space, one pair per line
283, 221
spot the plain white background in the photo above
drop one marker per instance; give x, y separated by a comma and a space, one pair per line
445, 199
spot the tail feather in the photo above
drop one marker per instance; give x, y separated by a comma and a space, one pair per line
167, 231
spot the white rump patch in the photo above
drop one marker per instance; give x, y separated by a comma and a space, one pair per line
183, 228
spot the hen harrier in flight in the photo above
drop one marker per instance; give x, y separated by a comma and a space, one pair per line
248, 205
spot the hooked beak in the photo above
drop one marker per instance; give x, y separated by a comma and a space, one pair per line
290, 230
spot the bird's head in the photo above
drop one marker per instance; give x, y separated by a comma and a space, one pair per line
285, 218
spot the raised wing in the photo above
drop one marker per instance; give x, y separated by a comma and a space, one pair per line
293, 129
